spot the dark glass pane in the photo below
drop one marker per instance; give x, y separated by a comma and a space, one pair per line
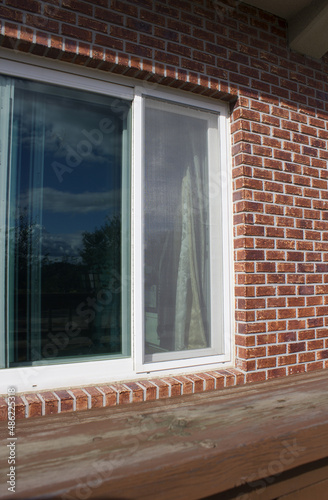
68, 204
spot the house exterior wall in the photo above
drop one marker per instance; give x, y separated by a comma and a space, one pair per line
279, 130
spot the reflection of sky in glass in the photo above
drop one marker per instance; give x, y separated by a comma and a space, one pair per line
88, 188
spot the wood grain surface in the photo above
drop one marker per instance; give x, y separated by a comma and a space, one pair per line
260, 441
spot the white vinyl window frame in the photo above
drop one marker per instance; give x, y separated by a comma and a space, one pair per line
219, 182
101, 371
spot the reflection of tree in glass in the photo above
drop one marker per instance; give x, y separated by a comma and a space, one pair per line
68, 283
101, 256
101, 253
61, 277
25, 233
22, 244
57, 277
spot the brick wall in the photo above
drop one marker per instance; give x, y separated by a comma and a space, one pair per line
279, 126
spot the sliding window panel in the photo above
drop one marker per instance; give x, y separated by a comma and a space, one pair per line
68, 269
182, 233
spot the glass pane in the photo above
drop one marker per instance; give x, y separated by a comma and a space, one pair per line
176, 229
69, 196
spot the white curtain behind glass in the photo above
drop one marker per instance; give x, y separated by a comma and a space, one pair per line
176, 228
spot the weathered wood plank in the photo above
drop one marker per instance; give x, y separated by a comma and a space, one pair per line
283, 483
197, 445
302, 479
315, 491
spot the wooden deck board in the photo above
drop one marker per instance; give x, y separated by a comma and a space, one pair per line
192, 447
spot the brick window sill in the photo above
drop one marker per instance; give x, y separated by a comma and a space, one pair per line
55, 401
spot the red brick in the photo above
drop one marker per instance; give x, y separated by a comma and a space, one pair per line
256, 376
136, 390
124, 394
295, 256
186, 384
20, 408
66, 401
97, 399
314, 366
81, 399
163, 388
286, 290
266, 363
175, 385
34, 405
239, 377
286, 313
109, 41
322, 354
314, 301
149, 389
289, 336
54, 12
198, 383
293, 370
12, 15
274, 350
276, 278
315, 344
42, 23
266, 339
287, 360
219, 379
229, 377
276, 372
78, 6
306, 357
3, 409
306, 312
30, 5
246, 365
110, 395
262, 291
50, 402
71, 48
266, 314
92, 24
208, 381
168, 11
253, 352
164, 57
276, 326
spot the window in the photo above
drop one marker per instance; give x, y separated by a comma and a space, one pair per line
115, 246
67, 223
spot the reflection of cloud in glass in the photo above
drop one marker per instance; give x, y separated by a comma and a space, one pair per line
72, 239
63, 128
81, 203
56, 246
